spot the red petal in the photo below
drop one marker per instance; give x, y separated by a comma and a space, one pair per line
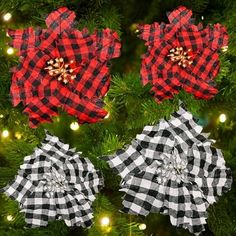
198, 87
180, 17
60, 20
217, 37
205, 65
192, 40
25, 39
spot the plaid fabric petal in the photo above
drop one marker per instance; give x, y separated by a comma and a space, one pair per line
26, 39
88, 56
55, 183
180, 17
172, 168
60, 20
107, 44
151, 32
218, 36
199, 64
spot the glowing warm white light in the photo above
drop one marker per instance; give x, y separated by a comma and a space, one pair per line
1, 115
10, 218
222, 118
7, 16
224, 48
18, 135
142, 226
10, 51
74, 126
5, 133
107, 116
105, 221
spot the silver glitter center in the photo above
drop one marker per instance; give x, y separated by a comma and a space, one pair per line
55, 182
173, 168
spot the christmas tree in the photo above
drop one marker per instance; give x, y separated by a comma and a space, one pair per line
130, 107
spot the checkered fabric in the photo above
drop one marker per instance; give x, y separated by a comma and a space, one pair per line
173, 169
55, 183
42, 94
167, 77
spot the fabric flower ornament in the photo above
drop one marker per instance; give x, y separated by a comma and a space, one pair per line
172, 168
181, 55
55, 182
62, 67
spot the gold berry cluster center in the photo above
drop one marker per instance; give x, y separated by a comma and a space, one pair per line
62, 71
181, 56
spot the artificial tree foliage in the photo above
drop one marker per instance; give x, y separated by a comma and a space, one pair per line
130, 107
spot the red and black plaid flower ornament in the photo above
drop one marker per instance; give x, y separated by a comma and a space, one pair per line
62, 67
181, 55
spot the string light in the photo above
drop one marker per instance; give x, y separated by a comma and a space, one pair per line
224, 48
1, 115
10, 51
222, 118
105, 221
7, 16
142, 226
5, 133
9, 217
74, 126
18, 135
107, 116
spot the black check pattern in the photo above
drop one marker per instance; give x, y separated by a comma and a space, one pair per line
88, 54
172, 168
164, 73
55, 183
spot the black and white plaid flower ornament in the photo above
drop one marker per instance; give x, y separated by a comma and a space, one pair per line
172, 168
55, 182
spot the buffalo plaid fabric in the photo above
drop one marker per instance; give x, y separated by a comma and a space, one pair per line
165, 75
55, 183
172, 168
42, 94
